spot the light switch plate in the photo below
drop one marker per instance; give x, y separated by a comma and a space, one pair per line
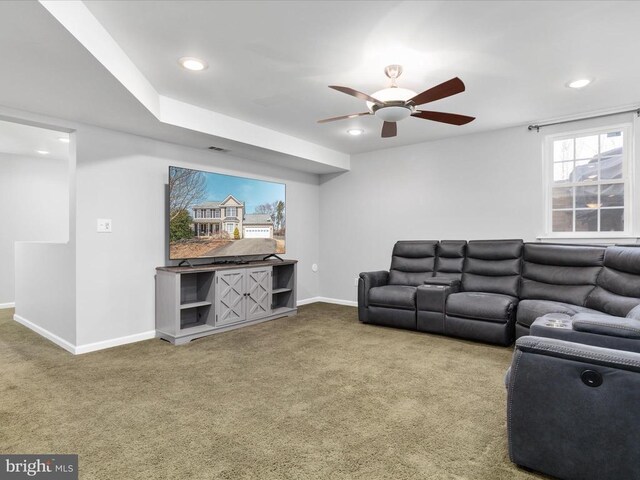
104, 225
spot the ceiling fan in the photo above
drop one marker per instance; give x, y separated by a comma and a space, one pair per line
393, 104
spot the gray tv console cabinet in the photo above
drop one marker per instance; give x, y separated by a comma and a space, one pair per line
192, 302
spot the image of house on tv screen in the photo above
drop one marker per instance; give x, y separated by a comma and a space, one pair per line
215, 215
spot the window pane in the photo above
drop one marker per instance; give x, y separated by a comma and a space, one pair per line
585, 171
563, 221
587, 147
611, 143
563, 197
612, 195
587, 197
612, 220
611, 167
586, 220
562, 171
563, 150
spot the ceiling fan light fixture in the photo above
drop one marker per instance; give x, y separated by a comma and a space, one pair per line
193, 64
392, 113
355, 132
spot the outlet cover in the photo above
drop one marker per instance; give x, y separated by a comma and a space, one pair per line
104, 225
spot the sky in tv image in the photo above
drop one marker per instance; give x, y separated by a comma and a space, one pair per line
250, 191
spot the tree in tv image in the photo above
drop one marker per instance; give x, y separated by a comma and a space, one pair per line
216, 215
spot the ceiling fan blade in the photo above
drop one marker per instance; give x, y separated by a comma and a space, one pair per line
389, 129
357, 94
451, 118
343, 117
444, 90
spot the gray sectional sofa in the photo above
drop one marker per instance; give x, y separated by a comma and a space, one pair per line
493, 290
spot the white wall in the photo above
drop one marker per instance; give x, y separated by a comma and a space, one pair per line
123, 177
482, 186
34, 206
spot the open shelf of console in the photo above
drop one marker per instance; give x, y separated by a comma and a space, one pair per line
283, 295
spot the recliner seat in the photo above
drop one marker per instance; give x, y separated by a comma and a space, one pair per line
556, 279
485, 308
392, 302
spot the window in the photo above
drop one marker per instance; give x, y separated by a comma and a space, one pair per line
216, 213
588, 191
231, 211
229, 227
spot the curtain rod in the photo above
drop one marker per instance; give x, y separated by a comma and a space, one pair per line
539, 126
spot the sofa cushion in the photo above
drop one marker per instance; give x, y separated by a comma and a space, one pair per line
490, 307
393, 296
560, 273
618, 284
492, 266
529, 310
412, 262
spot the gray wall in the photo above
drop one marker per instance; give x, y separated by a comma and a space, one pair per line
34, 206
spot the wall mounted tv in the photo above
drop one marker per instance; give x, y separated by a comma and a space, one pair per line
213, 215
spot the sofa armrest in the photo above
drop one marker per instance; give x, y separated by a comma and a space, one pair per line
366, 282
606, 325
552, 347
634, 313
590, 329
374, 279
447, 282
432, 296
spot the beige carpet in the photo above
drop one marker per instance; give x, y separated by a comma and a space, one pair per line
315, 396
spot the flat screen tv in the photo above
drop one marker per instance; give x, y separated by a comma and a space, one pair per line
213, 215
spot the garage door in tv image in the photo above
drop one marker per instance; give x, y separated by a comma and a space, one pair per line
216, 215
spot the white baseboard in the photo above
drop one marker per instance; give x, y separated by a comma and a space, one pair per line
336, 301
89, 347
61, 342
115, 342
7, 305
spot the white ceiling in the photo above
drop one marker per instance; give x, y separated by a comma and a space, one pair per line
25, 140
271, 62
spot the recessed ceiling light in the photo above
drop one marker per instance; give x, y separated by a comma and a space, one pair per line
354, 132
194, 64
42, 152
581, 83
64, 139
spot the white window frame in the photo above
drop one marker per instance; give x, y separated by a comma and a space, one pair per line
216, 213
627, 176
232, 209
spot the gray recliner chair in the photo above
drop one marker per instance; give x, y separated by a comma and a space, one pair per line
389, 297
572, 408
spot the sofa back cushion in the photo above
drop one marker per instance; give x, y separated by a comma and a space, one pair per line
450, 258
618, 284
412, 262
492, 266
561, 273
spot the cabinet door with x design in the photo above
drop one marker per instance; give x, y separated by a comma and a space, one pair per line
258, 292
242, 295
